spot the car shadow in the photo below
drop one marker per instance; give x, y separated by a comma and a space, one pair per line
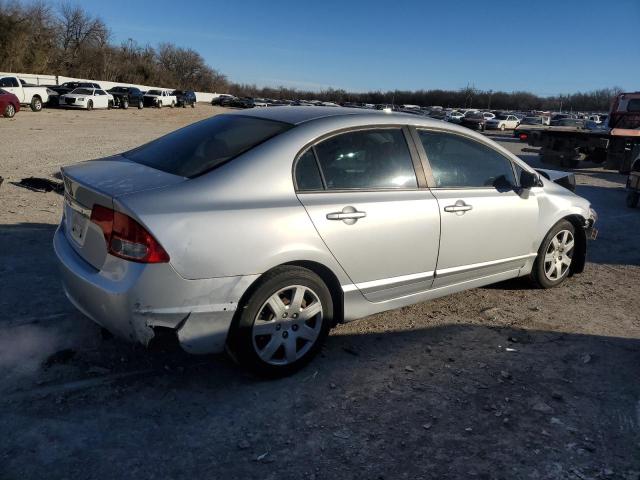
389, 404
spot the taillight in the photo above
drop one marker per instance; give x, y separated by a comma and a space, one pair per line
126, 238
523, 136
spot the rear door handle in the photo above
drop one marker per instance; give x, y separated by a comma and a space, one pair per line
459, 207
345, 216
348, 214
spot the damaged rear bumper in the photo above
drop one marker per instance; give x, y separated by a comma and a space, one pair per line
132, 299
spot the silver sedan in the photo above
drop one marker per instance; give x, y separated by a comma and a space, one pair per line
258, 231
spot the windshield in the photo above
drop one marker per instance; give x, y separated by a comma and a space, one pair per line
83, 91
205, 145
119, 89
501, 117
154, 92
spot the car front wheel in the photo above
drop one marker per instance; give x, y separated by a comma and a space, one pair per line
553, 263
10, 111
284, 322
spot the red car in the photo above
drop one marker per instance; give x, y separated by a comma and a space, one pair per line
9, 104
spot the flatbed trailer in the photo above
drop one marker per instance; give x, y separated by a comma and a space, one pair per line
617, 147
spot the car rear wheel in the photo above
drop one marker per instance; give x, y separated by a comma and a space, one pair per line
284, 322
10, 111
90, 105
502, 127
553, 263
140, 105
173, 104
36, 104
125, 103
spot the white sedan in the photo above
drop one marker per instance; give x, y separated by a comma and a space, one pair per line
503, 122
88, 98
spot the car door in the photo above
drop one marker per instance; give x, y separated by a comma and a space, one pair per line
11, 85
101, 100
366, 195
488, 224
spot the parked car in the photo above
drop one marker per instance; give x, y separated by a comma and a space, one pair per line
159, 99
68, 87
181, 237
454, 117
31, 95
503, 122
184, 98
223, 100
125, 96
474, 121
9, 104
87, 98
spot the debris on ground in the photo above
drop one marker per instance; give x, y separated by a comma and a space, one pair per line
41, 185
60, 357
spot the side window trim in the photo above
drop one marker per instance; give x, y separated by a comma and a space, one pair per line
315, 157
427, 165
414, 152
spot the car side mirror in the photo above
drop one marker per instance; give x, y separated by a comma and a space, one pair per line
528, 179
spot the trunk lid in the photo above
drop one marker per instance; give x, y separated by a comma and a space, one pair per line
100, 182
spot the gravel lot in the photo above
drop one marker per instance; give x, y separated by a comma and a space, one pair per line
503, 382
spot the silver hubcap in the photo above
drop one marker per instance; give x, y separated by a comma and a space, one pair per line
557, 258
10, 110
287, 325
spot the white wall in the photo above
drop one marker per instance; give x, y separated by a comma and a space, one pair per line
37, 79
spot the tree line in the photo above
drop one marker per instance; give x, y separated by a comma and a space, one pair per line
67, 40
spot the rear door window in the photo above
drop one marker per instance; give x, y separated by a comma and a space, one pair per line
203, 146
367, 159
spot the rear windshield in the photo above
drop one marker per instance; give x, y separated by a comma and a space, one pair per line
198, 148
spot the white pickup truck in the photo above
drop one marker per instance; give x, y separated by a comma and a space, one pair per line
33, 96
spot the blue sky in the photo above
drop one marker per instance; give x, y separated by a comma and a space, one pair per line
546, 47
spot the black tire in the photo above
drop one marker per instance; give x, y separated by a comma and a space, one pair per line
90, 105
241, 343
159, 104
193, 105
173, 104
125, 103
632, 199
502, 128
140, 104
36, 104
538, 275
9, 111
109, 105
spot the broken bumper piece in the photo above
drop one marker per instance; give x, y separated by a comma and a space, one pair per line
132, 299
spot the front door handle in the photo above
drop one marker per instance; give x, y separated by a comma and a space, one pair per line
348, 215
459, 208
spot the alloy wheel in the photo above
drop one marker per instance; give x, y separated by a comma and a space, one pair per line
557, 258
10, 111
287, 325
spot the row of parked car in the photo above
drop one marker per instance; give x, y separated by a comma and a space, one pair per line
15, 92
468, 117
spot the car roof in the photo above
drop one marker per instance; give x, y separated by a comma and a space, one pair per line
301, 114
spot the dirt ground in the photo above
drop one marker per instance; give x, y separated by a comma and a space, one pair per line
503, 382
